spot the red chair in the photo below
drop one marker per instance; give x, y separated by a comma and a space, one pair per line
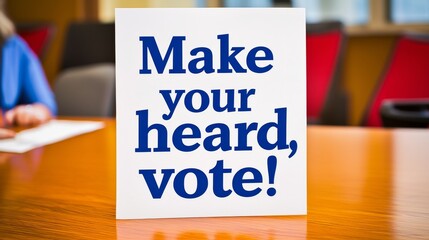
406, 77
326, 101
37, 36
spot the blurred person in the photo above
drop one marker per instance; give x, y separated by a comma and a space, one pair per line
6, 133
26, 98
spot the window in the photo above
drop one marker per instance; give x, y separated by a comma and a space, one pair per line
350, 12
409, 11
359, 16
248, 3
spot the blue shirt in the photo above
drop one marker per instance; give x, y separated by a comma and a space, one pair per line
22, 79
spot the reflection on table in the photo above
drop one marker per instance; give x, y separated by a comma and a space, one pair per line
362, 183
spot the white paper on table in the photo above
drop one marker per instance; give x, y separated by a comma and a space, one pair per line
51, 132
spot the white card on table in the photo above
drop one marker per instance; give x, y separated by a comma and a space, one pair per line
211, 112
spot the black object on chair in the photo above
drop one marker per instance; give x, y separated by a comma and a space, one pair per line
405, 113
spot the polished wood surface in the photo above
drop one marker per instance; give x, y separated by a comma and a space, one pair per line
362, 184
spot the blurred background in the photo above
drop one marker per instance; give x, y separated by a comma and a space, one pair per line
371, 29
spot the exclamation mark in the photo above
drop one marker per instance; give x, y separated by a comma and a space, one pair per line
272, 166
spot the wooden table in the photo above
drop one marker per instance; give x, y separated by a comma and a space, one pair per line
362, 183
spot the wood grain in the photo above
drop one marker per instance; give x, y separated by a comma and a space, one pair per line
362, 184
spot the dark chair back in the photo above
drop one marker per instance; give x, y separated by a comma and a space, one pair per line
326, 100
89, 43
406, 76
86, 83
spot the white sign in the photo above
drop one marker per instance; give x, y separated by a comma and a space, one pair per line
211, 112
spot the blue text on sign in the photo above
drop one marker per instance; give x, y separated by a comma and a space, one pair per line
228, 57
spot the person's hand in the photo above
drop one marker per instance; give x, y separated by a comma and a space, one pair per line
28, 115
6, 133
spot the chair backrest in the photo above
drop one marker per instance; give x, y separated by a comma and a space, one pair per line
86, 83
37, 36
86, 91
325, 44
89, 43
406, 76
